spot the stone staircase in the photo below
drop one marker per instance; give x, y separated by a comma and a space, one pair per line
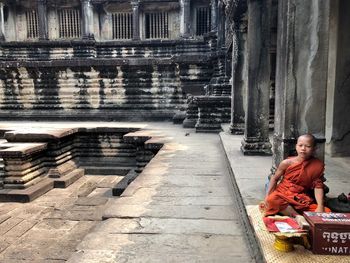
2, 173
38, 160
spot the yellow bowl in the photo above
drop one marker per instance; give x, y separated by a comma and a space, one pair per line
283, 244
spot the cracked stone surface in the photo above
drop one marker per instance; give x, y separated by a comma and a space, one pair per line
49, 228
180, 209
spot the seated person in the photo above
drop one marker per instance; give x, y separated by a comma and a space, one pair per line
301, 174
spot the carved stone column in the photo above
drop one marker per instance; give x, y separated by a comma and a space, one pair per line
87, 15
221, 24
43, 26
239, 83
2, 22
185, 25
301, 74
256, 133
214, 14
135, 20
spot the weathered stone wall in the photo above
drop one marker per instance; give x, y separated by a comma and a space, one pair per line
109, 81
338, 129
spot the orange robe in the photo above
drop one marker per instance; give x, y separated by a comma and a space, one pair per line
298, 179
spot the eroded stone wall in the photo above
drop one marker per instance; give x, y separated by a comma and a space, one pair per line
109, 81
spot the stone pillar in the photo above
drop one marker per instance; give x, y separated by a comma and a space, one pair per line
214, 15
135, 20
42, 13
221, 24
338, 88
2, 22
301, 74
239, 72
185, 24
256, 132
87, 19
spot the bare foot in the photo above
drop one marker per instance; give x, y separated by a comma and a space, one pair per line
262, 207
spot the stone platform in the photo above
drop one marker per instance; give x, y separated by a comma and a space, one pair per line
180, 207
188, 205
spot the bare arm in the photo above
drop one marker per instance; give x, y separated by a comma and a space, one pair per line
319, 193
278, 174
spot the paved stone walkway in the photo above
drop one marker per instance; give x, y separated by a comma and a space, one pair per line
49, 228
180, 209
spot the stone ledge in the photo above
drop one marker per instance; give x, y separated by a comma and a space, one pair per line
88, 43
120, 187
106, 61
18, 150
38, 134
68, 179
26, 195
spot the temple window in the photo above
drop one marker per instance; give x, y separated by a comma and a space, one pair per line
156, 25
203, 21
32, 22
122, 25
69, 23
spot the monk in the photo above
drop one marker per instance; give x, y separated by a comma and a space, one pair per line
301, 174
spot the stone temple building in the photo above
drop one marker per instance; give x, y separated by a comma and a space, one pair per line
108, 59
263, 66
295, 53
270, 69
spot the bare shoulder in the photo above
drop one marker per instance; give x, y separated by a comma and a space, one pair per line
285, 164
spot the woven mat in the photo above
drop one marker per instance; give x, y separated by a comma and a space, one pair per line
299, 254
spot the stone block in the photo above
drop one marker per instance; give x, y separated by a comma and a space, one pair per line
68, 179
120, 187
28, 194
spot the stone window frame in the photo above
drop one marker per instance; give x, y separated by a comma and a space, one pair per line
202, 29
126, 21
195, 5
32, 24
74, 30
160, 31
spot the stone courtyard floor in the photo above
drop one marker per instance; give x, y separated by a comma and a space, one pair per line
180, 209
186, 206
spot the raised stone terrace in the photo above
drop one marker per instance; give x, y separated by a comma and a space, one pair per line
88, 80
35, 160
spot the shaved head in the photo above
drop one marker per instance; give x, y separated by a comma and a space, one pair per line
310, 137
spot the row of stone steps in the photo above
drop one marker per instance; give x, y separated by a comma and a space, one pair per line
60, 156
29, 52
40, 188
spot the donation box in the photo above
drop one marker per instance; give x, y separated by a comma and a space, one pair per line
329, 232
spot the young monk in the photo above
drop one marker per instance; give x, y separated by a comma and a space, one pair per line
301, 174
